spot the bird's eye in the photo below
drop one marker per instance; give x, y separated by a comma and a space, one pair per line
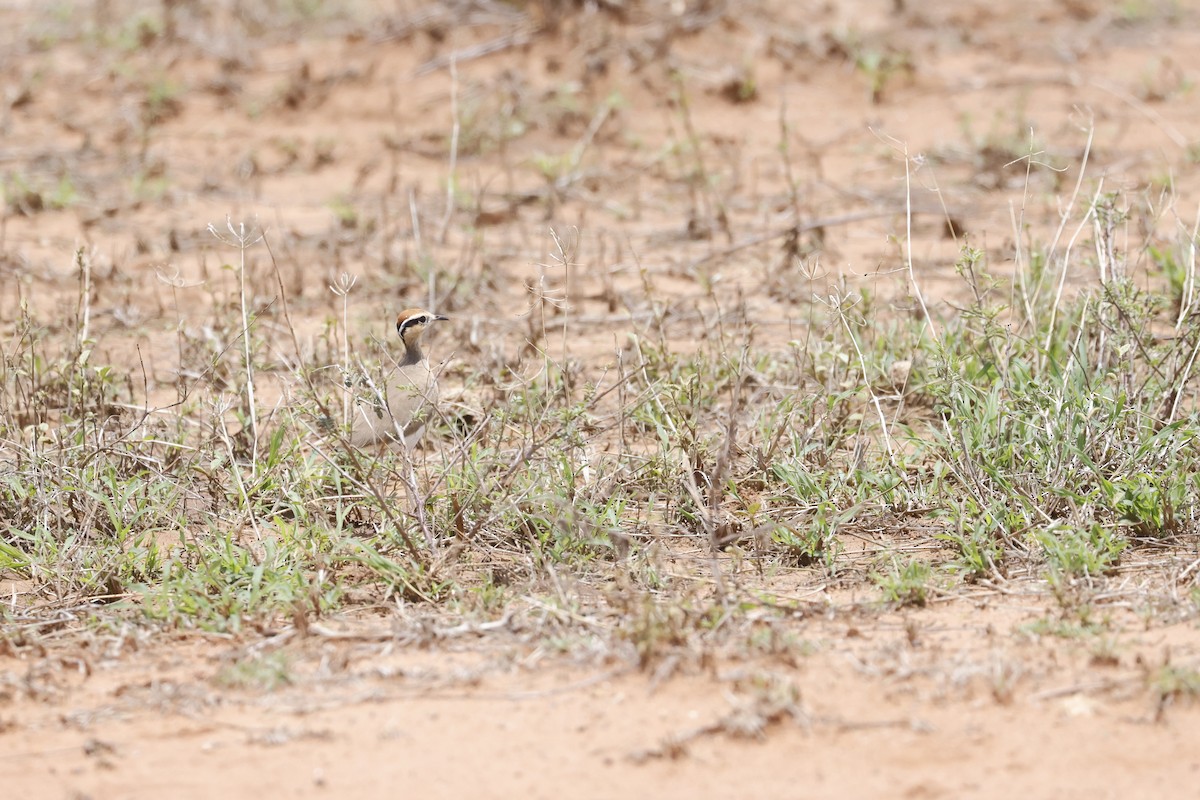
413, 322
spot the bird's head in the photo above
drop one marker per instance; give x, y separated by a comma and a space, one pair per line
411, 323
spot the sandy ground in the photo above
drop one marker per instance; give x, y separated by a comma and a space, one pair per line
956, 701
339, 144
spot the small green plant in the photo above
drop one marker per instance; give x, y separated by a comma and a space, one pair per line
655, 629
1179, 271
257, 672
878, 63
813, 542
1173, 682
880, 68
741, 86
22, 195
345, 212
974, 536
149, 185
139, 31
1148, 503
906, 585
1080, 626
162, 101
1073, 552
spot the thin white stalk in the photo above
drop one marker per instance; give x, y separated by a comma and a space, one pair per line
1062, 278
1183, 379
1188, 291
246, 350
227, 440
409, 478
908, 258
243, 240
341, 288
1066, 214
85, 297
902, 148
836, 302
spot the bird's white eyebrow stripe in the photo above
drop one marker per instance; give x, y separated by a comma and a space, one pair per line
413, 320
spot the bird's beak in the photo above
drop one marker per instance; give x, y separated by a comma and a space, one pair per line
440, 318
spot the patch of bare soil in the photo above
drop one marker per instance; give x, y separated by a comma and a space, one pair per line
960, 700
591, 120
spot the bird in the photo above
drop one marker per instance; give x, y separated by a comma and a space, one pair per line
397, 411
